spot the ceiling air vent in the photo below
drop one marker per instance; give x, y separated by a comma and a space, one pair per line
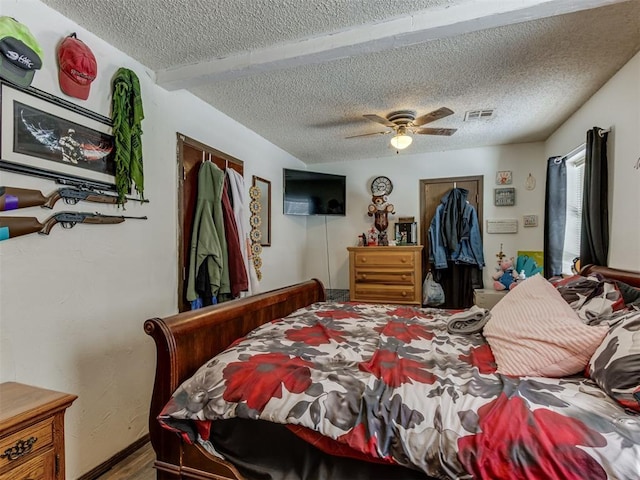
484, 114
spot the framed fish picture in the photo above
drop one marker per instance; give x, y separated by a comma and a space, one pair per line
44, 134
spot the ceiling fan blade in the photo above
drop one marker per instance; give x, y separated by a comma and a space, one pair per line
433, 116
379, 119
368, 134
435, 131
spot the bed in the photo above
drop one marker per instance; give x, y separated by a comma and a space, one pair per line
601, 436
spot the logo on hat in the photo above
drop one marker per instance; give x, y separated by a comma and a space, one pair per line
20, 54
78, 67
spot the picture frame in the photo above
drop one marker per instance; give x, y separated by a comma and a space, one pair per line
530, 220
46, 136
504, 197
504, 177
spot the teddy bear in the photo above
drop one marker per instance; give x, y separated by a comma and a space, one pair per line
506, 278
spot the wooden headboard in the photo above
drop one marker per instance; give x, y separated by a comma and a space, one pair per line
626, 276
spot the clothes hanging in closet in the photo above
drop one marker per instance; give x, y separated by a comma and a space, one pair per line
237, 189
455, 248
208, 275
454, 234
238, 281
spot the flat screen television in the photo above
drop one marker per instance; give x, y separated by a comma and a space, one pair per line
312, 193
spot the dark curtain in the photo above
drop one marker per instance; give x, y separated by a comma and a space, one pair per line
594, 241
555, 215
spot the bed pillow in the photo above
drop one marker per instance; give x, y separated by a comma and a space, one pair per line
615, 365
630, 295
534, 332
593, 297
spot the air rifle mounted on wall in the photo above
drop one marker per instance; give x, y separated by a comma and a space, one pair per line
11, 227
12, 198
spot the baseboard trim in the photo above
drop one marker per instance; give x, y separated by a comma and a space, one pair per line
104, 467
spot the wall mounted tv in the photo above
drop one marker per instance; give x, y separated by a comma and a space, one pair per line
312, 193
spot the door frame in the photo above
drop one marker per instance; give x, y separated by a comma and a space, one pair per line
426, 222
223, 161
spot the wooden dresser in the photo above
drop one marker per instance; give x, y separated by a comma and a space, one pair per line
32, 432
386, 274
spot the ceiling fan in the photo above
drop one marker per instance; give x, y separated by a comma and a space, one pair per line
403, 122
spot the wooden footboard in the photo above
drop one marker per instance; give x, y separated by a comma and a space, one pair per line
186, 341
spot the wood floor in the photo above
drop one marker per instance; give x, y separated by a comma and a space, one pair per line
137, 466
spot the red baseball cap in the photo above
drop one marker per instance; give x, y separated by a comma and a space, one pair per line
78, 67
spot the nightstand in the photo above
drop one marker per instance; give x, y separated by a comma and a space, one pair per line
487, 298
32, 432
386, 274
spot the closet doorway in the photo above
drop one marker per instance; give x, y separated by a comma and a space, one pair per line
190, 155
432, 191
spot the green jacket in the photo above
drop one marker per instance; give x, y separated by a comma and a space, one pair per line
208, 242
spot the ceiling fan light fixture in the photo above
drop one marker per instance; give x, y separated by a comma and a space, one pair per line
401, 141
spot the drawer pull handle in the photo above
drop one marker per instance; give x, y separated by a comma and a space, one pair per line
363, 260
403, 260
363, 276
22, 447
404, 277
404, 294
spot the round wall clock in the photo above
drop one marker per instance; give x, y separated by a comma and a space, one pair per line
381, 186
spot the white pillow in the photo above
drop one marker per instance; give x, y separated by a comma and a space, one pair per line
533, 331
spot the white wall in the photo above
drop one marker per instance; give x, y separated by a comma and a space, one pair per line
405, 171
72, 304
615, 105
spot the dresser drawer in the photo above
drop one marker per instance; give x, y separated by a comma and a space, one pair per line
384, 293
27, 442
40, 467
384, 276
390, 258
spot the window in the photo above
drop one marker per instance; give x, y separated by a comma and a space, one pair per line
575, 182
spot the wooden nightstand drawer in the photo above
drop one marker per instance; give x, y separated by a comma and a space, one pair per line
384, 276
384, 259
32, 432
384, 293
41, 467
26, 442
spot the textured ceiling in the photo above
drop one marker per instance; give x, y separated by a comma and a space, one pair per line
306, 87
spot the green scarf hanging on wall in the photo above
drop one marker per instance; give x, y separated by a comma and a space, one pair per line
127, 115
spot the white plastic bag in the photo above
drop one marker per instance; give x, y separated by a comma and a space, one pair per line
432, 292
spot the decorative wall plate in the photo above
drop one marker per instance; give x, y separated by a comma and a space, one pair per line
254, 206
530, 182
255, 221
254, 192
256, 236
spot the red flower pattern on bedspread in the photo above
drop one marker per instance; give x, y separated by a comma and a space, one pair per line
394, 370
520, 443
405, 331
261, 377
314, 335
482, 358
390, 383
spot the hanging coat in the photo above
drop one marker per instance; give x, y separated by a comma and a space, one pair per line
454, 233
236, 186
238, 278
208, 253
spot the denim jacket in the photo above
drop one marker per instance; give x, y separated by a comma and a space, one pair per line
454, 233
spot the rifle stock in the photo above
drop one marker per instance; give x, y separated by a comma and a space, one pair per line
11, 227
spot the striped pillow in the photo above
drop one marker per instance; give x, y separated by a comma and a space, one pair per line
533, 331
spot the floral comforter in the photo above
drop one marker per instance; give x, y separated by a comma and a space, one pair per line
390, 384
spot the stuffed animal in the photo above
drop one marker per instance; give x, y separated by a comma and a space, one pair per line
506, 278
